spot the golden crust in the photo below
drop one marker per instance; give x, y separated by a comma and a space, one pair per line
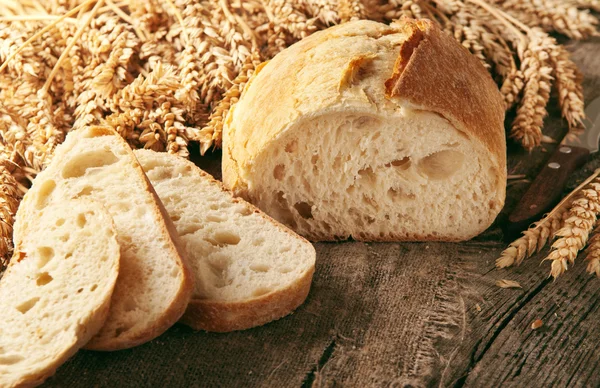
470, 100
222, 317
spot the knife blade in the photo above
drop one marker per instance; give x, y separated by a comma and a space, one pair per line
546, 189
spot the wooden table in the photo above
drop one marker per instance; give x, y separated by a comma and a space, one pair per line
397, 314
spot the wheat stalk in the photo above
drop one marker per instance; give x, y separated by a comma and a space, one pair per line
536, 237
575, 232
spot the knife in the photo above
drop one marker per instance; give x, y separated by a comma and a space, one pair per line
546, 189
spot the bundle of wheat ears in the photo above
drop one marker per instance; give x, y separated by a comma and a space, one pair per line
164, 73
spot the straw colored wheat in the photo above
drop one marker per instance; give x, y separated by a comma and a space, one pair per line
164, 73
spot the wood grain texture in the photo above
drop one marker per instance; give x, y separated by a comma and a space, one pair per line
397, 314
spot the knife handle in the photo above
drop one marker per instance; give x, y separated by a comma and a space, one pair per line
546, 189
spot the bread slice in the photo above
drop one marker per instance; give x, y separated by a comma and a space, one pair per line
249, 270
56, 292
155, 283
397, 136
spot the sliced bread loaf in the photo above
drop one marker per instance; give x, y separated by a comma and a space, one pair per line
155, 283
249, 269
56, 293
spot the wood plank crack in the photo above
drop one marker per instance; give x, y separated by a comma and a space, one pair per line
475, 357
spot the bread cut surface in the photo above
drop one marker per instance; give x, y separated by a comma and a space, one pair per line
56, 293
249, 270
397, 136
155, 283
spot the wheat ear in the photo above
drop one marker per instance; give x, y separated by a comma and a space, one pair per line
9, 202
536, 237
593, 253
575, 232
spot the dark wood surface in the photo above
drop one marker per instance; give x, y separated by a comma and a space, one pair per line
397, 314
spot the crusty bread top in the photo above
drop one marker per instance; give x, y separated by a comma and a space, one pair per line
307, 79
442, 76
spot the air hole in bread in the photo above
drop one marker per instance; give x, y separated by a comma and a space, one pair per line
291, 147
68, 255
226, 238
60, 222
175, 217
43, 279
370, 201
80, 164
80, 291
402, 164
24, 307
258, 241
285, 248
261, 291
350, 189
450, 145
285, 270
10, 359
87, 190
284, 213
243, 210
337, 163
397, 194
190, 229
367, 175
376, 136
260, 267
216, 217
314, 159
46, 189
441, 165
81, 220
94, 287
366, 122
279, 172
45, 254
304, 209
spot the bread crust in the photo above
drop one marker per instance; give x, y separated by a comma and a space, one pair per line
471, 100
222, 317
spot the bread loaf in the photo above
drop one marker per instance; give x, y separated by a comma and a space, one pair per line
373, 132
56, 293
155, 282
248, 269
